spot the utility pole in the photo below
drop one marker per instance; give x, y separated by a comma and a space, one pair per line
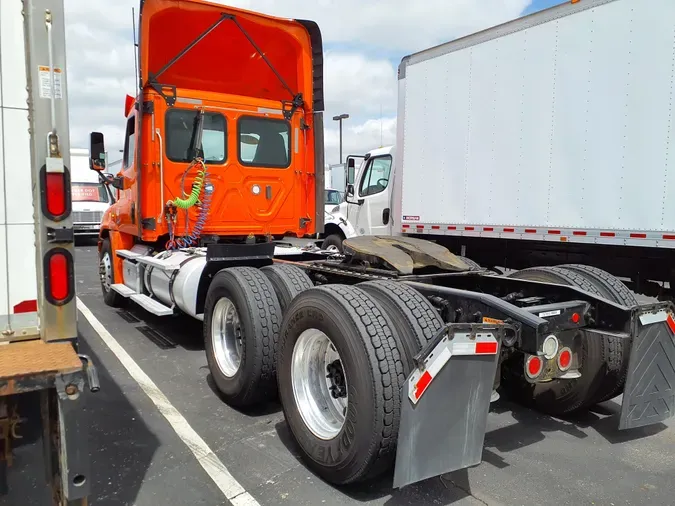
339, 119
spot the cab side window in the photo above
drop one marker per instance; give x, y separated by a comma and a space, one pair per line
376, 178
130, 143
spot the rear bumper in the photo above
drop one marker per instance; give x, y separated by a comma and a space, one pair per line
649, 394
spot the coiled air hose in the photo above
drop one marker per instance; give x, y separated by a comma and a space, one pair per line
200, 182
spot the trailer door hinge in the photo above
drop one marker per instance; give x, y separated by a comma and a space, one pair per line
60, 235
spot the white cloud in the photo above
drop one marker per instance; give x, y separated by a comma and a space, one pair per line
357, 81
359, 138
393, 24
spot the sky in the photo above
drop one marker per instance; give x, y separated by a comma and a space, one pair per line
364, 41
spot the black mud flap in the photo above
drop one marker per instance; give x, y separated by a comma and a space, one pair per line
445, 403
649, 394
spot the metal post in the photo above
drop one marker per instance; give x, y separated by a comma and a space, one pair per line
339, 119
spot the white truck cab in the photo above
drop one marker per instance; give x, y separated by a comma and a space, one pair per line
366, 209
90, 197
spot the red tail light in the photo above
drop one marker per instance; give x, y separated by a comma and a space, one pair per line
56, 194
533, 366
565, 359
59, 276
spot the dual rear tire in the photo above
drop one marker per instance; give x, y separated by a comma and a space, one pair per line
338, 360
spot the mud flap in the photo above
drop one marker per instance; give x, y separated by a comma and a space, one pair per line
445, 403
649, 394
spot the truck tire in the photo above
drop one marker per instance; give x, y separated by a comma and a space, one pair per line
414, 320
242, 319
107, 275
332, 240
600, 360
616, 291
342, 331
288, 281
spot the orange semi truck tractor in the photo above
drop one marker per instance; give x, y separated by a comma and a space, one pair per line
388, 354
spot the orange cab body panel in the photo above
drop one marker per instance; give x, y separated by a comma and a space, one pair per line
262, 153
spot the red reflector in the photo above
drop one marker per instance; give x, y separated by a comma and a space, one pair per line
486, 348
530, 230
58, 276
565, 359
607, 234
639, 236
671, 323
422, 384
576, 318
420, 226
56, 194
435, 227
579, 232
452, 227
488, 229
468, 228
406, 226
26, 306
669, 237
556, 232
534, 366
509, 230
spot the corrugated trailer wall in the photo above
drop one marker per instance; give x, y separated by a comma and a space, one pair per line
561, 119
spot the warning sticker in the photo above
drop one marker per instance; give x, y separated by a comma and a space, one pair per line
492, 321
46, 82
411, 218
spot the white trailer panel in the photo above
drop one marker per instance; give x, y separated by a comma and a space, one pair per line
18, 273
559, 120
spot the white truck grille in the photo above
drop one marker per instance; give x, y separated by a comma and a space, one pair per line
87, 216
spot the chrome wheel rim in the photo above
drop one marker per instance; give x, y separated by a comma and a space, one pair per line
319, 384
105, 271
226, 335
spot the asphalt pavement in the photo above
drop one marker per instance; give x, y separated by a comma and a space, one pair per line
139, 459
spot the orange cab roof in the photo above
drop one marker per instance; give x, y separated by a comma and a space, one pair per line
222, 55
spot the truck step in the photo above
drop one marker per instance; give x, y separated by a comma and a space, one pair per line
159, 264
125, 253
123, 290
151, 305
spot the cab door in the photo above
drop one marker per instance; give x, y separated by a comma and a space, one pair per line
373, 214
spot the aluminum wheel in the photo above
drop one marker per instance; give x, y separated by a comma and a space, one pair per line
105, 271
227, 336
319, 384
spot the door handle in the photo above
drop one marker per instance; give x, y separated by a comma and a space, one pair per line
385, 216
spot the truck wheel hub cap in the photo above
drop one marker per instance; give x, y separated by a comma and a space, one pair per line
105, 271
319, 384
226, 334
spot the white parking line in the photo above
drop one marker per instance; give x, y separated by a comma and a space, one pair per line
229, 486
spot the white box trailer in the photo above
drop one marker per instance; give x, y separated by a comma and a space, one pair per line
552, 135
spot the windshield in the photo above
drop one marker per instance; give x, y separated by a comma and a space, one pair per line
89, 192
333, 197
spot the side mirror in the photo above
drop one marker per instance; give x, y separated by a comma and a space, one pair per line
96, 151
350, 190
351, 169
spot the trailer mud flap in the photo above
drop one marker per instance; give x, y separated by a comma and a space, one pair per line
445, 403
649, 394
